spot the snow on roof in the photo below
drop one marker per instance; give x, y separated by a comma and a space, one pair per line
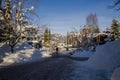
101, 34
35, 41
106, 56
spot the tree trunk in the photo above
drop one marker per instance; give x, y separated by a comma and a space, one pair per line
0, 4
12, 49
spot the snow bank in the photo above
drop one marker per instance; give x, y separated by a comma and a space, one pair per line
82, 54
116, 74
5, 49
84, 72
17, 57
23, 52
25, 56
106, 56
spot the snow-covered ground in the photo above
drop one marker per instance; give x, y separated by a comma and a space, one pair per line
102, 64
116, 74
23, 53
106, 56
83, 72
82, 54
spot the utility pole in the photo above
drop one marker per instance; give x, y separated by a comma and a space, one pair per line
67, 42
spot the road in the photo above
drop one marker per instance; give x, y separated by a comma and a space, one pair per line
56, 68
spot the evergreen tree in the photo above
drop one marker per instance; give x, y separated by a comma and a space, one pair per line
67, 38
47, 36
115, 29
5, 20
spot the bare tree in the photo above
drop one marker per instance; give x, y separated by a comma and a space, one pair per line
116, 5
92, 23
92, 20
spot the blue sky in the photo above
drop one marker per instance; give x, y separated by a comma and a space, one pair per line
64, 15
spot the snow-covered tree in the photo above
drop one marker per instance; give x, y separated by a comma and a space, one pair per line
5, 21
18, 21
15, 16
115, 29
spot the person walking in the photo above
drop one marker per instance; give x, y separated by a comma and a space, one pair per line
56, 50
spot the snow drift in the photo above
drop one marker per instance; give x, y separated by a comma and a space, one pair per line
106, 57
83, 54
5, 49
23, 53
116, 74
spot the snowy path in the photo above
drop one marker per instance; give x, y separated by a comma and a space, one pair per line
102, 65
83, 72
51, 69
55, 68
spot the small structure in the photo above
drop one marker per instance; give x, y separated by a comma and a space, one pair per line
101, 38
